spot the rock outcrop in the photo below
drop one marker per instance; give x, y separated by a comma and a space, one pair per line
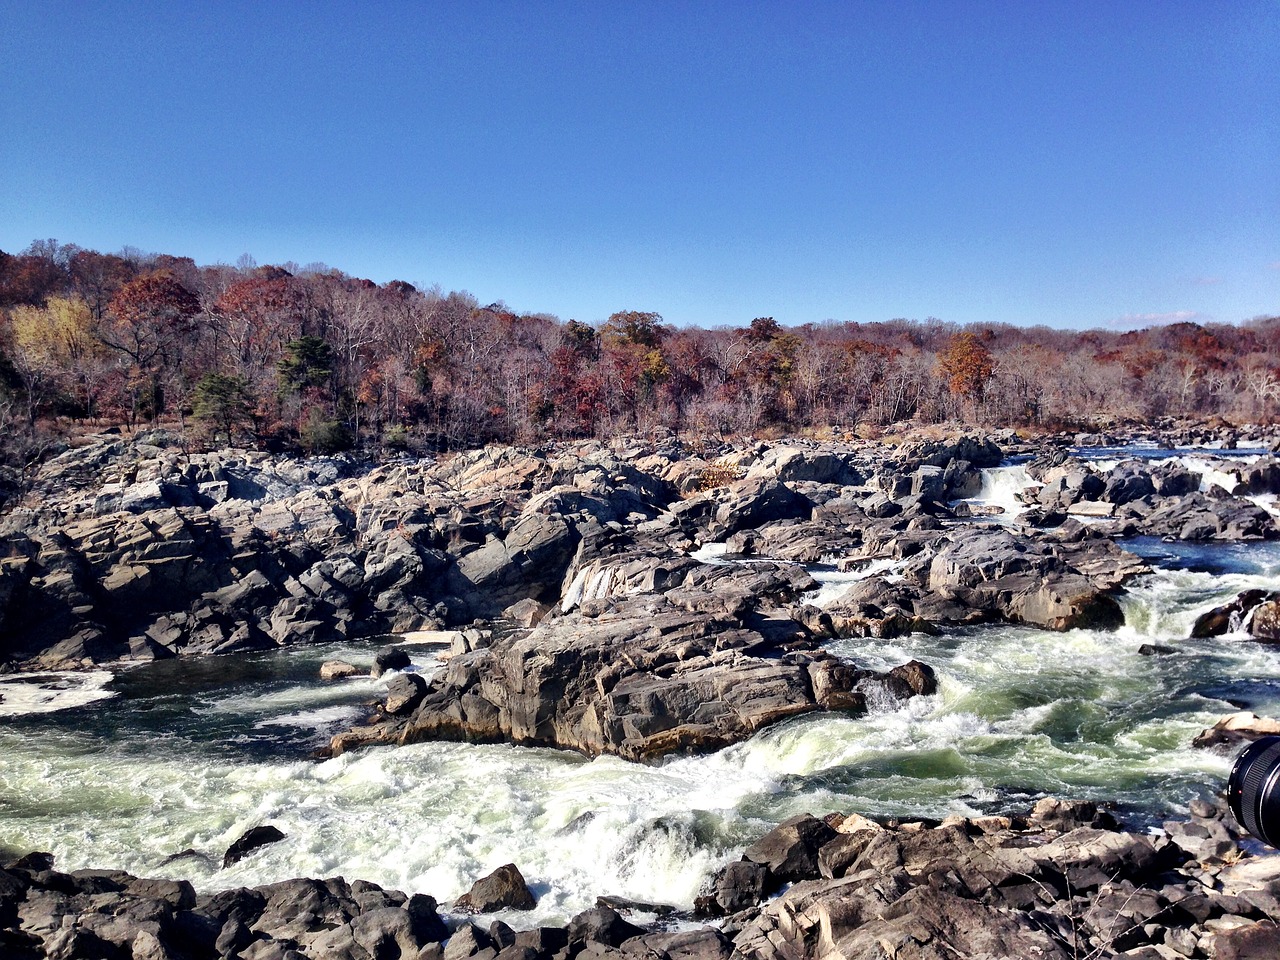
110, 914
613, 636
714, 657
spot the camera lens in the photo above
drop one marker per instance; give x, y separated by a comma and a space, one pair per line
1254, 789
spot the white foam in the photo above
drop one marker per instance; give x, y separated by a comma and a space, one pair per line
320, 719
1022, 710
48, 691
712, 553
1001, 489
835, 582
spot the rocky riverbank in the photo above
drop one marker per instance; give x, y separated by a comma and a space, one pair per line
609, 631
1063, 881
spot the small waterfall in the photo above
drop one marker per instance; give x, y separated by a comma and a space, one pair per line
879, 699
1001, 489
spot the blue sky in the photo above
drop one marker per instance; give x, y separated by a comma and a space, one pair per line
1075, 164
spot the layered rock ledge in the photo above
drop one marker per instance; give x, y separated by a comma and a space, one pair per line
720, 654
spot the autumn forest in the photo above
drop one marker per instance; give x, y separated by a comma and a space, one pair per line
308, 358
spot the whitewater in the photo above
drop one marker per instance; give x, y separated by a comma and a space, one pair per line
156, 769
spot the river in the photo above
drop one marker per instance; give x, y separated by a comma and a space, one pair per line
181, 757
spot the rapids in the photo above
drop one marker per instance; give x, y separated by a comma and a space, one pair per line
158, 770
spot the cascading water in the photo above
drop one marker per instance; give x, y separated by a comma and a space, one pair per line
186, 755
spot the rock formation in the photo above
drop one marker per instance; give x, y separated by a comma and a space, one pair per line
1063, 881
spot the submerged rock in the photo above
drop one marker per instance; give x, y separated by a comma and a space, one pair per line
250, 841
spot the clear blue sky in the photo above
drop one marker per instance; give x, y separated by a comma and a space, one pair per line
1070, 163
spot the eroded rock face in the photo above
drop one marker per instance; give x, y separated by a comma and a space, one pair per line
137, 550
1063, 882
701, 666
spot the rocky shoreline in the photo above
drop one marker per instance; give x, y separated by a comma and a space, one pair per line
554, 559
1063, 881
590, 609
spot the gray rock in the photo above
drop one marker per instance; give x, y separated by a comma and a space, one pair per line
1228, 616
602, 925
404, 692
390, 658
735, 887
338, 670
790, 850
696, 675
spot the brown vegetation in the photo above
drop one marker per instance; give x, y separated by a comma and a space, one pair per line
310, 358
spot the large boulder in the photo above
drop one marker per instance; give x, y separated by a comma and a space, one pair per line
790, 850
992, 571
706, 664
754, 502
505, 888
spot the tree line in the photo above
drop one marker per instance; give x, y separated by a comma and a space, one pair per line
310, 358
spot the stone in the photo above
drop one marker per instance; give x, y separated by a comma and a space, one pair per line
1265, 623
404, 692
249, 841
790, 850
735, 887
505, 888
338, 670
390, 658
705, 667
1247, 941
602, 925
1236, 729
703, 944
1228, 617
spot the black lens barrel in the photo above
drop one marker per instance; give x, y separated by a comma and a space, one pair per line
1253, 790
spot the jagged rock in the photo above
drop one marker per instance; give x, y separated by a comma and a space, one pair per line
735, 887
404, 692
1248, 941
1265, 623
704, 944
504, 888
707, 664
992, 572
1236, 729
1127, 482
796, 465
1232, 616
601, 925
469, 941
979, 451
790, 850
1198, 516
390, 658
251, 840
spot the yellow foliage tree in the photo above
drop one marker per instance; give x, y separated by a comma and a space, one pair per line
58, 343
60, 334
